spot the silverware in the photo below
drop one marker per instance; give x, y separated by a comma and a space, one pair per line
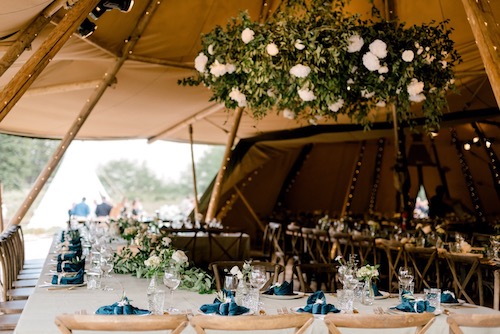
285, 310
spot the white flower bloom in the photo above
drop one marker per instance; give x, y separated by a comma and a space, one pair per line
287, 113
355, 43
366, 94
427, 48
217, 69
306, 95
230, 68
152, 261
300, 71
247, 35
166, 241
381, 104
378, 48
350, 81
211, 49
200, 62
444, 63
417, 98
383, 69
179, 256
408, 56
272, 49
239, 97
371, 61
415, 87
234, 270
298, 45
420, 50
336, 107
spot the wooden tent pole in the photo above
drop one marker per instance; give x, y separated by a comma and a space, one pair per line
23, 79
1, 207
487, 35
28, 35
193, 167
215, 197
108, 79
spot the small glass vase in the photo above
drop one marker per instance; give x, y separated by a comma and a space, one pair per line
156, 296
367, 296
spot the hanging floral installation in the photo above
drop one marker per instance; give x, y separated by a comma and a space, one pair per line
313, 60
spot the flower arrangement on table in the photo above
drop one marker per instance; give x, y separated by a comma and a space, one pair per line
312, 60
245, 273
367, 272
151, 253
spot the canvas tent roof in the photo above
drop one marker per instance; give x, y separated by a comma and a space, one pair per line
146, 102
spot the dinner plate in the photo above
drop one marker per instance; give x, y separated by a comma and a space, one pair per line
250, 312
296, 310
385, 295
296, 295
62, 286
395, 311
460, 302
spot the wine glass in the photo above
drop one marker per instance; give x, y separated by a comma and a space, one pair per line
106, 266
171, 279
231, 283
405, 275
259, 277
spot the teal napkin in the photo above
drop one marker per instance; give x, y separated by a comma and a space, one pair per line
68, 256
316, 304
70, 266
229, 307
121, 307
376, 293
74, 279
448, 297
284, 289
414, 306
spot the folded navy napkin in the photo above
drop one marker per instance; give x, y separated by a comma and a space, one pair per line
448, 297
121, 307
283, 289
65, 279
316, 304
228, 307
376, 293
70, 266
68, 256
414, 306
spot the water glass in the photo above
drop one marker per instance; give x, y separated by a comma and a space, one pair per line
93, 280
230, 283
156, 302
406, 288
433, 296
346, 300
251, 299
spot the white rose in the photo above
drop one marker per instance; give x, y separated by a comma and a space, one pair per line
272, 49
417, 98
217, 69
371, 61
408, 56
200, 62
230, 68
298, 45
166, 241
415, 87
306, 94
355, 43
152, 261
378, 48
383, 69
300, 71
239, 97
287, 113
179, 256
336, 106
211, 49
247, 35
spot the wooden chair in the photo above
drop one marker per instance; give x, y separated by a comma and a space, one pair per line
469, 266
421, 321
324, 245
67, 323
455, 321
395, 255
222, 252
222, 268
425, 264
270, 247
299, 322
8, 274
315, 276
293, 245
342, 244
190, 246
364, 246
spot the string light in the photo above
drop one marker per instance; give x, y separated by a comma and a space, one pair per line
376, 179
354, 179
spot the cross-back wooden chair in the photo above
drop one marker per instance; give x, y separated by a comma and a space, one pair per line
222, 268
309, 243
324, 245
220, 251
8, 275
395, 256
425, 262
342, 244
315, 276
421, 321
364, 246
67, 323
463, 268
298, 322
271, 244
189, 246
455, 321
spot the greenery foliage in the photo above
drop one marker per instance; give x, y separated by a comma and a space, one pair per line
313, 60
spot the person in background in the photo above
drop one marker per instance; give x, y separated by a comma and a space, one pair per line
136, 208
81, 209
439, 205
103, 209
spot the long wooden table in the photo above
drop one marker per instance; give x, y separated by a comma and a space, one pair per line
42, 307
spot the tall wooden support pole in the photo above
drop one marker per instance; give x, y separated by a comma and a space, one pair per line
108, 79
1, 207
214, 199
487, 35
28, 35
193, 167
27, 74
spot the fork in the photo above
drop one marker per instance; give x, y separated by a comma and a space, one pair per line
285, 310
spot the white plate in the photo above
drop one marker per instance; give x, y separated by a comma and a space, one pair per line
384, 295
460, 302
250, 312
62, 286
395, 311
296, 295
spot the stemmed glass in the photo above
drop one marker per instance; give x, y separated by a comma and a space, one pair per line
106, 266
405, 275
259, 277
171, 279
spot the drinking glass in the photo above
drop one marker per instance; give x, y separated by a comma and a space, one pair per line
231, 283
346, 299
405, 275
259, 277
171, 279
106, 266
433, 296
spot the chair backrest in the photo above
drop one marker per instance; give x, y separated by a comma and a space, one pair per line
127, 323
222, 250
221, 268
455, 321
315, 276
421, 321
470, 264
271, 241
300, 322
